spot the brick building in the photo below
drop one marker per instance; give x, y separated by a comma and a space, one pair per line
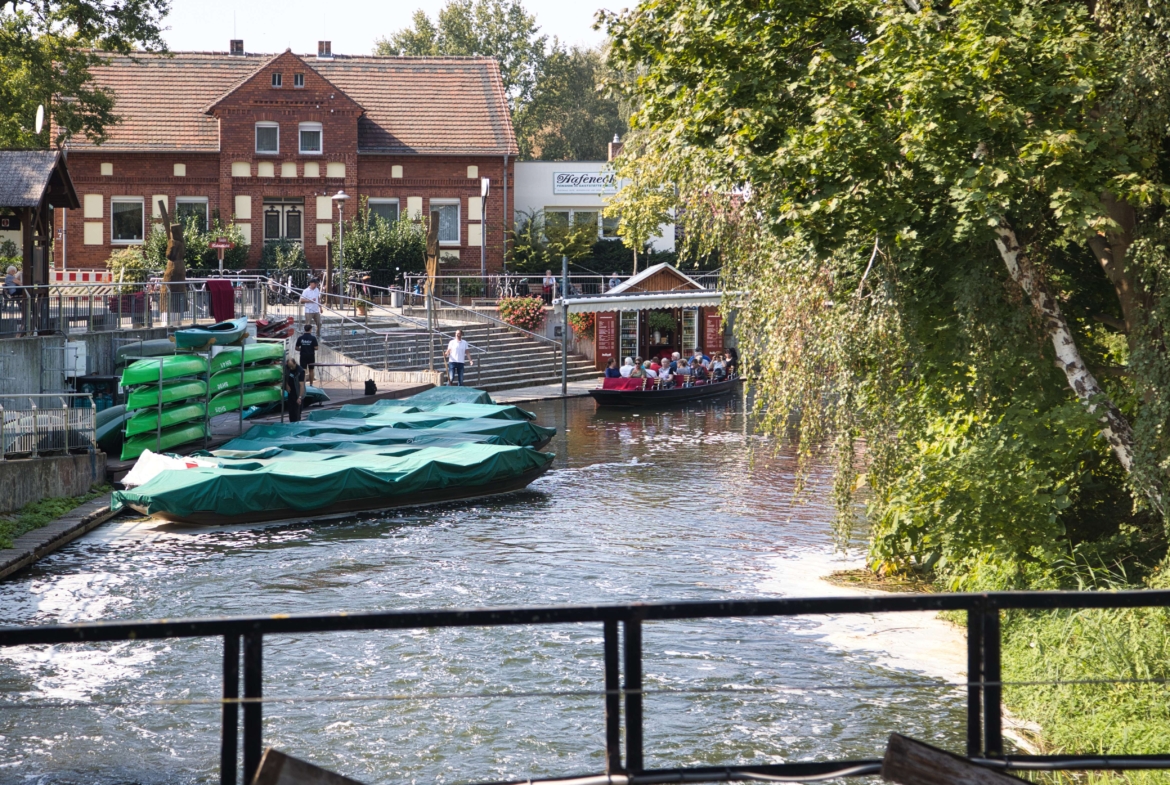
264, 141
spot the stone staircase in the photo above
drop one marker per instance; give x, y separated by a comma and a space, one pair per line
504, 359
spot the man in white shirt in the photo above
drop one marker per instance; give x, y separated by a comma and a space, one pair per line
311, 299
457, 354
627, 367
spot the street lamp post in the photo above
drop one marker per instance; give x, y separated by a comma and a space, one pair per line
340, 197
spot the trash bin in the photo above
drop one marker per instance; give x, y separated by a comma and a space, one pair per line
395, 298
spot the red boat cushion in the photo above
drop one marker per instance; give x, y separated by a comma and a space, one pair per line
622, 384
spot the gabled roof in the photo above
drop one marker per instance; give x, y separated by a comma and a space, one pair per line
290, 59
29, 176
413, 105
636, 283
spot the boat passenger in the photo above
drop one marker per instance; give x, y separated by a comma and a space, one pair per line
732, 360
698, 370
611, 369
702, 358
637, 372
718, 368
627, 367
656, 366
294, 387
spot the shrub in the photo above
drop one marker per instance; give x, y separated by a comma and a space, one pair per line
373, 243
283, 256
198, 258
128, 266
527, 313
583, 323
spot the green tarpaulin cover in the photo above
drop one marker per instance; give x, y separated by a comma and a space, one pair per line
442, 395
518, 432
305, 486
454, 411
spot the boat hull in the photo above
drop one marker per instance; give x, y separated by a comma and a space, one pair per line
668, 397
352, 506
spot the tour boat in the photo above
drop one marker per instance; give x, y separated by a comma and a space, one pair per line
647, 392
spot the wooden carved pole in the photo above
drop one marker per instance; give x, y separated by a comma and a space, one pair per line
432, 271
176, 271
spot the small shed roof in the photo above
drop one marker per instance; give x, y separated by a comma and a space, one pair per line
28, 177
659, 278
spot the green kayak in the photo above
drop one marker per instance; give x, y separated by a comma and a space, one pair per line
172, 392
153, 348
109, 433
171, 438
229, 400
146, 420
253, 353
230, 380
174, 367
222, 334
107, 414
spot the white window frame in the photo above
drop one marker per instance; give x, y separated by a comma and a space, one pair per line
277, 79
376, 200
267, 124
458, 205
203, 200
298, 81
311, 127
141, 206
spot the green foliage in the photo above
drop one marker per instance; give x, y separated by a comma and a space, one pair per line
559, 110
37, 514
46, 52
198, 257
127, 266
283, 256
8, 249
372, 243
526, 313
538, 243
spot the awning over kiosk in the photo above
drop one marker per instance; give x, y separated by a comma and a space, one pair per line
643, 301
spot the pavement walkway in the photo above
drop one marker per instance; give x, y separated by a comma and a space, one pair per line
38, 543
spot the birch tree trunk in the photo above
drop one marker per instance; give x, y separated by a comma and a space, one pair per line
1116, 428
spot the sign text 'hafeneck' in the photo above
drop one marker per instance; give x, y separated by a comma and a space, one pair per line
583, 182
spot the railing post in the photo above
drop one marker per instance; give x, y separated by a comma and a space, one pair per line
229, 743
253, 712
974, 682
633, 696
613, 700
992, 688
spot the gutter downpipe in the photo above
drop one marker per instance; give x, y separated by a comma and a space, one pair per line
505, 219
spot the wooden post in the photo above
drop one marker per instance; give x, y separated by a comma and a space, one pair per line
176, 271
432, 271
911, 762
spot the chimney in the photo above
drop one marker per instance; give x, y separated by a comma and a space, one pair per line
615, 147
324, 50
237, 47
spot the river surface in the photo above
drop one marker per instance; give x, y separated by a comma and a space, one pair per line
657, 506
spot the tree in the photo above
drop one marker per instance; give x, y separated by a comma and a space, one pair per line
570, 117
949, 222
46, 50
479, 28
642, 206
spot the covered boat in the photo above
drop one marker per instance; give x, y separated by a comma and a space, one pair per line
310, 484
221, 334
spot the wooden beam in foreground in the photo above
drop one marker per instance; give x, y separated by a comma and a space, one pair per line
276, 768
910, 762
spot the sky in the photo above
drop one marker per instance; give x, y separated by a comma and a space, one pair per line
352, 25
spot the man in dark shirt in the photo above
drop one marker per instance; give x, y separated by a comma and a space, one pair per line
307, 345
294, 388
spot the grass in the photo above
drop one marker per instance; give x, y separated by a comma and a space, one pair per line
37, 514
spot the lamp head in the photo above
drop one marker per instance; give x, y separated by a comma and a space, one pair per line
485, 185
340, 196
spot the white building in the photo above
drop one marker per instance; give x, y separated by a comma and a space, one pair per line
577, 191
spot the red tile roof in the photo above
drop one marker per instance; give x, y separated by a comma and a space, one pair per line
420, 105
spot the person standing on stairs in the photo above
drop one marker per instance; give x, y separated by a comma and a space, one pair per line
457, 354
311, 299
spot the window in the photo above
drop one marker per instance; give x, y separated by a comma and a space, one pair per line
283, 219
277, 80
556, 219
188, 206
298, 80
559, 219
385, 209
267, 138
585, 218
310, 138
126, 220
448, 210
609, 228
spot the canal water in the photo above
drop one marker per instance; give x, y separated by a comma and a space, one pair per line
685, 504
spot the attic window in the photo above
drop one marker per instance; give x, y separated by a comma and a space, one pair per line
276, 79
267, 138
298, 80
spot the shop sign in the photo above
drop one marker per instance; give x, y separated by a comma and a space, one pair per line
584, 182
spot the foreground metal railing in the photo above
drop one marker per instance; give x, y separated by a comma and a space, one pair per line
32, 425
623, 691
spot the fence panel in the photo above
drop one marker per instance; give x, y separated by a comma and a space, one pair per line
33, 425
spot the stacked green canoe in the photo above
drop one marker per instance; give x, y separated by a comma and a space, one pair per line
178, 383
261, 380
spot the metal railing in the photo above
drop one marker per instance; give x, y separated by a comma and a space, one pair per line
91, 307
39, 429
472, 289
624, 691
